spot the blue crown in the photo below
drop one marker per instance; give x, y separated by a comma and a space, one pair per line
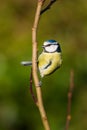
51, 41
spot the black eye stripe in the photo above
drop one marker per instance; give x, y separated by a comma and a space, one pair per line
50, 45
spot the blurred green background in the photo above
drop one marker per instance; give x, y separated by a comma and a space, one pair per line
65, 22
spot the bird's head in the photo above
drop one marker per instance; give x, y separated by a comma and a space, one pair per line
51, 46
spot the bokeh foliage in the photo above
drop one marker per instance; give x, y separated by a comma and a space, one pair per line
65, 22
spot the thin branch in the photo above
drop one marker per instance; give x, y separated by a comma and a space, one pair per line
70, 92
34, 67
31, 89
48, 6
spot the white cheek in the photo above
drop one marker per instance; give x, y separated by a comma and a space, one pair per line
51, 48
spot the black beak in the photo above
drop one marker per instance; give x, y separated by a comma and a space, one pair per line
43, 46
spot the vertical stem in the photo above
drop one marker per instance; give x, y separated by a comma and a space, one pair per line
34, 67
70, 92
34, 41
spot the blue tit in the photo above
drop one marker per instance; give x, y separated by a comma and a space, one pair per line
50, 59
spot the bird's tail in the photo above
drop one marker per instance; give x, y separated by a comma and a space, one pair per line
26, 63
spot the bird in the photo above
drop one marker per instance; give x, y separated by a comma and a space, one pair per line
49, 60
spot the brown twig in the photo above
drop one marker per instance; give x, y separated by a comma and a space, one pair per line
34, 67
48, 6
70, 92
31, 89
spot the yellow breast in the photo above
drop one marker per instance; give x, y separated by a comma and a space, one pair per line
45, 58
